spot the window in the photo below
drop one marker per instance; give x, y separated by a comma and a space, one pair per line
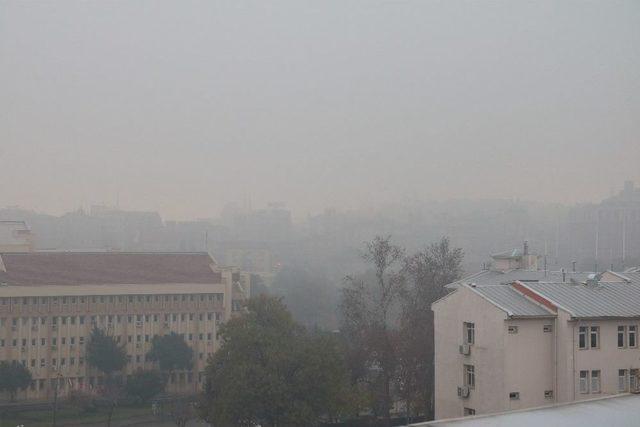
548, 394
622, 380
469, 412
584, 382
595, 381
547, 328
513, 329
514, 395
582, 337
631, 339
469, 333
469, 376
594, 337
622, 333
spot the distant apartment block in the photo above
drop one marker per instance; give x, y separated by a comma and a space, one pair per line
50, 301
531, 343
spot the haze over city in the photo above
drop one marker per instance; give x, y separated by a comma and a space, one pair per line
183, 107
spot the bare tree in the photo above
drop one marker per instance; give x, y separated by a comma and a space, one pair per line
369, 311
427, 272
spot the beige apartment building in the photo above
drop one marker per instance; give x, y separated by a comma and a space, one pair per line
50, 301
528, 344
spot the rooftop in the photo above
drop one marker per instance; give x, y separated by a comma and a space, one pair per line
106, 268
592, 301
620, 410
511, 301
495, 277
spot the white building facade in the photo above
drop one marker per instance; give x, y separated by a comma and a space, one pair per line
517, 346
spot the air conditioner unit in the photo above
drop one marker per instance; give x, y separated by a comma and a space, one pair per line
166, 325
138, 324
23, 349
463, 391
465, 349
138, 345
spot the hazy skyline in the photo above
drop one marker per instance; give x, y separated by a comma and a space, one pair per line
182, 107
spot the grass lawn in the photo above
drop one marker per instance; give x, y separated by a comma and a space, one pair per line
72, 416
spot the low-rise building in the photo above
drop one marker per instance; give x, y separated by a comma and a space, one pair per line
50, 301
508, 347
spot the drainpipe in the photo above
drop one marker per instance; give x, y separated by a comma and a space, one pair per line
555, 359
573, 359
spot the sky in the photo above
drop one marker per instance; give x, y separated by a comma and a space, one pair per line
183, 107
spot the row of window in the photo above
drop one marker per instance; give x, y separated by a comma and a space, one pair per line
589, 337
62, 362
79, 383
35, 301
118, 338
110, 319
590, 380
469, 331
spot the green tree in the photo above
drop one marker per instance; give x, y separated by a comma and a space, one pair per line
271, 371
171, 352
109, 357
14, 376
104, 353
144, 385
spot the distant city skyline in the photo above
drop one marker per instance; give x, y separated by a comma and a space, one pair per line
181, 107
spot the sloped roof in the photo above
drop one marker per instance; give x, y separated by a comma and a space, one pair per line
601, 300
105, 268
494, 277
619, 410
511, 301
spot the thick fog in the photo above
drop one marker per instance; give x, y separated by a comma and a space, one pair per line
182, 107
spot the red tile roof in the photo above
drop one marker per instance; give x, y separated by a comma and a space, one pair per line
106, 268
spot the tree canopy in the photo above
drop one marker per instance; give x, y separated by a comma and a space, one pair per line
144, 385
272, 371
14, 376
171, 352
388, 323
104, 353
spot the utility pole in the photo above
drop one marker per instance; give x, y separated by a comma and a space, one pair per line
55, 399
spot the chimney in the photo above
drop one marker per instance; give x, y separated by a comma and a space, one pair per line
564, 275
573, 263
526, 248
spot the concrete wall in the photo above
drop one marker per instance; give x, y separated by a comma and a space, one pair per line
487, 354
529, 362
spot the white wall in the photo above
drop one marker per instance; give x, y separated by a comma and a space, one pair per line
487, 354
